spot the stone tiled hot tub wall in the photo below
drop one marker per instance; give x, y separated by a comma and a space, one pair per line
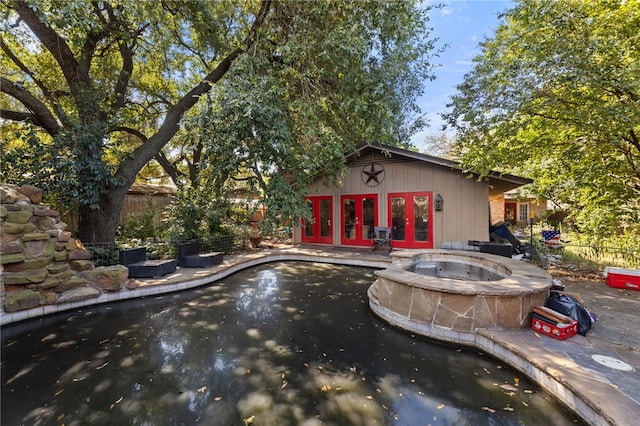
500, 297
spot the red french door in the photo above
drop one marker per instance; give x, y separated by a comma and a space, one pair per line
411, 219
359, 214
318, 230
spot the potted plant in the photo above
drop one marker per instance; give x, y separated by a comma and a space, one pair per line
255, 238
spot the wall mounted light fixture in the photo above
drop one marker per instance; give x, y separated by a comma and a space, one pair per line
438, 203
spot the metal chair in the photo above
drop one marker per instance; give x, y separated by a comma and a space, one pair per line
381, 237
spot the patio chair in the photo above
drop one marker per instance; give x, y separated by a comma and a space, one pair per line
381, 237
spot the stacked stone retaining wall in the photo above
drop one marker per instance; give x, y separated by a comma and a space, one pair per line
41, 264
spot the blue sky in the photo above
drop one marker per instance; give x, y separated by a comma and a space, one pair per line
461, 24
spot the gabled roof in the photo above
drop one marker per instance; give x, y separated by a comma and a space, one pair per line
498, 182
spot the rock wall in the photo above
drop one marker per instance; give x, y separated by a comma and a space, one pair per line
41, 264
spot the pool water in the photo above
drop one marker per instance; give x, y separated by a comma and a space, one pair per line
288, 343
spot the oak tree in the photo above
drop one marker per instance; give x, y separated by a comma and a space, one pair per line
94, 91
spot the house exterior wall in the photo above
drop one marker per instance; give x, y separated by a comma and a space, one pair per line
465, 214
524, 208
496, 204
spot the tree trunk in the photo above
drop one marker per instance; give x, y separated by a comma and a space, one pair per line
100, 225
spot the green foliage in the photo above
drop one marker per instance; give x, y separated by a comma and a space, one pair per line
555, 95
184, 217
106, 85
62, 167
104, 256
287, 115
194, 214
141, 226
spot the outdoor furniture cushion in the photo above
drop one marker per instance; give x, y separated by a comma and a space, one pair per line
189, 256
135, 259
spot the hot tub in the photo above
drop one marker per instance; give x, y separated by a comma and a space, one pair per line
449, 294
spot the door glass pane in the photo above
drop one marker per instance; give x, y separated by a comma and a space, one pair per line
349, 217
420, 218
398, 218
308, 224
325, 218
368, 218
524, 213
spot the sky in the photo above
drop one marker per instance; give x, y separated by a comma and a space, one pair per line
461, 24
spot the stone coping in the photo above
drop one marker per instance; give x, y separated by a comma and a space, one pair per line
519, 278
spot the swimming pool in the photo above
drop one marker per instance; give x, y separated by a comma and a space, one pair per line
286, 343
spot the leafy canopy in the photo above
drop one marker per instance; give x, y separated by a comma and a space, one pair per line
555, 94
282, 117
97, 91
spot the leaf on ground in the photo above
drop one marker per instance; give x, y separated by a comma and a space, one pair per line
508, 387
529, 391
491, 410
59, 392
440, 407
202, 389
508, 408
217, 398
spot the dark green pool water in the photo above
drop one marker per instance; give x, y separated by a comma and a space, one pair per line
280, 344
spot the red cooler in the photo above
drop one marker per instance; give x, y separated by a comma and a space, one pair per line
622, 278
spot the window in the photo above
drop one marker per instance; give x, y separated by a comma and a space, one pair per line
523, 210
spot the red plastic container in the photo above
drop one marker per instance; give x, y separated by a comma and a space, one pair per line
559, 332
622, 278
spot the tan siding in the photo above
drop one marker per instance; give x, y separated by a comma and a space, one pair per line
465, 215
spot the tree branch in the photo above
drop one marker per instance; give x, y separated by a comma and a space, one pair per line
168, 167
47, 94
37, 109
25, 117
56, 45
170, 125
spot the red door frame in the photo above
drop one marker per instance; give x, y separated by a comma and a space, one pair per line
403, 234
319, 222
514, 206
360, 237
